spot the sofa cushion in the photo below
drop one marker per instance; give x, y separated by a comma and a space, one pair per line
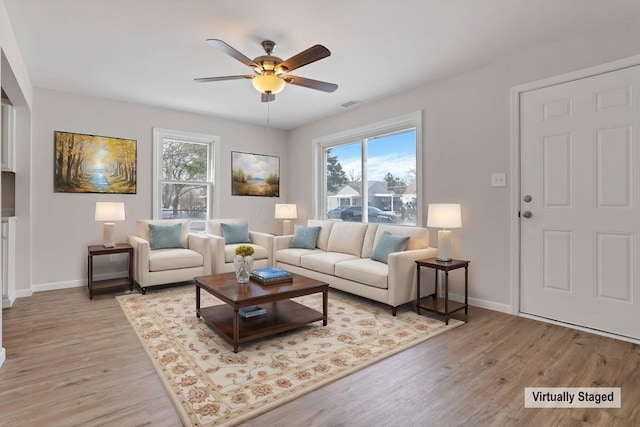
365, 271
214, 226
369, 238
142, 228
324, 262
259, 252
347, 238
418, 236
173, 259
304, 237
325, 231
235, 232
293, 256
388, 244
164, 236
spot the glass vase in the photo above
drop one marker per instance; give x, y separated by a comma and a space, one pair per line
243, 266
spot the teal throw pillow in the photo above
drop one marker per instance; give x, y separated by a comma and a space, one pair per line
164, 236
235, 233
304, 237
388, 244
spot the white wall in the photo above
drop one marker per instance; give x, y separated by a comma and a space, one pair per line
466, 138
63, 224
16, 83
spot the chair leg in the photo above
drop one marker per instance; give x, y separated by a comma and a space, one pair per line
394, 311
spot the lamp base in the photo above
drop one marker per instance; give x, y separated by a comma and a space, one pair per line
444, 246
108, 237
286, 227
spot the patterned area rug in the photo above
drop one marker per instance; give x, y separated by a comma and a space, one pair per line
212, 386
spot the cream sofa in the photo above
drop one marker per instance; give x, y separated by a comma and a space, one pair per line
342, 259
153, 267
223, 253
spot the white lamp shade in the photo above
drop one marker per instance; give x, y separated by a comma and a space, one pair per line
110, 211
444, 215
268, 83
286, 211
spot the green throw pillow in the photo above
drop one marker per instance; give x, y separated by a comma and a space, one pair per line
164, 236
235, 233
304, 237
388, 244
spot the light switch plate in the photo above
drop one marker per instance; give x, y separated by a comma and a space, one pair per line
498, 179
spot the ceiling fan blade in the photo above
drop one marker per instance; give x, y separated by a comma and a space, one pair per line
232, 52
311, 84
268, 97
217, 79
314, 53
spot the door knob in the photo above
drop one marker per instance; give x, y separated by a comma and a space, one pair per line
527, 214
527, 198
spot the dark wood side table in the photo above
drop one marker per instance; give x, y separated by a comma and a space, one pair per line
109, 284
442, 305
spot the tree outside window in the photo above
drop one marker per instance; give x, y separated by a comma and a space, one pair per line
185, 178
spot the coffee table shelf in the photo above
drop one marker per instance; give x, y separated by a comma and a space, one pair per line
281, 316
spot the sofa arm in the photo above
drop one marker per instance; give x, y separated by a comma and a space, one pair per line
402, 274
200, 243
141, 250
216, 247
280, 242
265, 240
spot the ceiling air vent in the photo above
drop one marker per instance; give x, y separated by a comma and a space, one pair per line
349, 104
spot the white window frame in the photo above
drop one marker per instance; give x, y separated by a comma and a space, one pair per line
159, 135
393, 125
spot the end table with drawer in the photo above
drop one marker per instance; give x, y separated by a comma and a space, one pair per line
432, 302
109, 284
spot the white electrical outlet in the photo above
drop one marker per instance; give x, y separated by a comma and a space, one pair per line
113, 257
498, 179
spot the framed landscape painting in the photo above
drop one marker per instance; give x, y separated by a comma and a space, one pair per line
255, 175
94, 164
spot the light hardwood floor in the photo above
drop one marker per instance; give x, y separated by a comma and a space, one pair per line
72, 361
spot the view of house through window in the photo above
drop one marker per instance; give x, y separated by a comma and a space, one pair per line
185, 181
377, 172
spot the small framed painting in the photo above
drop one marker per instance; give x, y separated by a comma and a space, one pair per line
94, 164
255, 175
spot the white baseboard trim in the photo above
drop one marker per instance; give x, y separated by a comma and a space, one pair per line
23, 293
52, 286
3, 355
489, 305
476, 302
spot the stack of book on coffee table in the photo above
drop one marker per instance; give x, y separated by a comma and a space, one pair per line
271, 276
251, 311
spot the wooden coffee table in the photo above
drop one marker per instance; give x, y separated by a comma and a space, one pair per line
282, 313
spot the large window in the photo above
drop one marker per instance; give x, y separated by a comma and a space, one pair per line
371, 174
183, 176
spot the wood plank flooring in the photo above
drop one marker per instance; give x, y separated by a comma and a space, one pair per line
76, 362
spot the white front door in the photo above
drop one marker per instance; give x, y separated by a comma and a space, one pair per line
579, 169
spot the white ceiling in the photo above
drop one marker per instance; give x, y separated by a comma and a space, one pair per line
149, 51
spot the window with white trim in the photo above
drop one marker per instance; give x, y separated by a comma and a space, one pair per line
386, 157
183, 173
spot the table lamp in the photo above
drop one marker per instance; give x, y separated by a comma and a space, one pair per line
444, 215
286, 212
109, 212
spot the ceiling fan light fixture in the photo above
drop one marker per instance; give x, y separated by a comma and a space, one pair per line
268, 83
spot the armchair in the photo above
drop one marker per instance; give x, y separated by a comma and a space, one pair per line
178, 257
222, 253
